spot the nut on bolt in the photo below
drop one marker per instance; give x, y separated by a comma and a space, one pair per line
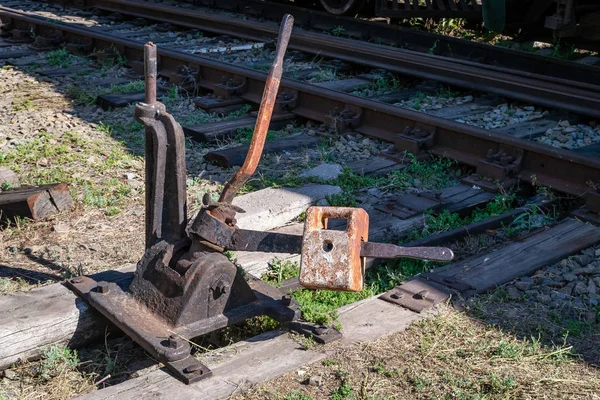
286, 300
321, 330
172, 342
102, 287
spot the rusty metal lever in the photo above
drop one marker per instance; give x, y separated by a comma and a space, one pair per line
264, 115
386, 250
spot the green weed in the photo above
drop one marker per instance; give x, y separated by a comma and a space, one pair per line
338, 30
57, 360
60, 58
130, 87
343, 392
279, 270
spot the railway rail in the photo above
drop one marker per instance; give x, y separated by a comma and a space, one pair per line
544, 82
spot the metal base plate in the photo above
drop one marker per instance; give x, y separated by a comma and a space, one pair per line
167, 343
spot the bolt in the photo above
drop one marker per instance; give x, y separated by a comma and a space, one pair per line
172, 342
286, 300
77, 279
193, 368
321, 330
102, 287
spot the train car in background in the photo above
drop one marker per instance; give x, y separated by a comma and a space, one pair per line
563, 18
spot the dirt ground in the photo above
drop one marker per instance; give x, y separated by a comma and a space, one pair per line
453, 355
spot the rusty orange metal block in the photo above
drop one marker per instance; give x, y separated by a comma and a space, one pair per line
331, 259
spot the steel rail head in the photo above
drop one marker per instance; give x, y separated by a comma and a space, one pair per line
264, 114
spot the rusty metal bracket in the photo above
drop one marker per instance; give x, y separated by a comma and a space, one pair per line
230, 87
416, 140
319, 333
417, 295
591, 211
344, 120
500, 168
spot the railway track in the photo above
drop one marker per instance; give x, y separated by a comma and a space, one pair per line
562, 170
483, 151
522, 76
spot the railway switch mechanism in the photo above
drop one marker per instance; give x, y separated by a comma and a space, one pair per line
185, 286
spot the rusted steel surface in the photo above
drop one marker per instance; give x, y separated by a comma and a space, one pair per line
561, 91
331, 259
559, 169
165, 163
417, 295
150, 72
184, 286
386, 250
264, 114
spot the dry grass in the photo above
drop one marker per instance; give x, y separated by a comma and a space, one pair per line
63, 373
450, 356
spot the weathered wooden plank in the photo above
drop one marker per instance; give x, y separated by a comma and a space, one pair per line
523, 257
528, 130
213, 131
49, 315
37, 202
264, 357
236, 155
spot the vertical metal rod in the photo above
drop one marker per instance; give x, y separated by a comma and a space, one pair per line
264, 114
150, 71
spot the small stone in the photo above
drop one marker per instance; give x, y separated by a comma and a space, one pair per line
583, 259
569, 277
551, 283
375, 193
94, 247
60, 228
564, 263
323, 171
130, 176
529, 108
559, 296
564, 124
10, 374
567, 290
589, 317
513, 292
523, 286
591, 287
311, 132
544, 299
315, 380
597, 253
580, 288
8, 178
